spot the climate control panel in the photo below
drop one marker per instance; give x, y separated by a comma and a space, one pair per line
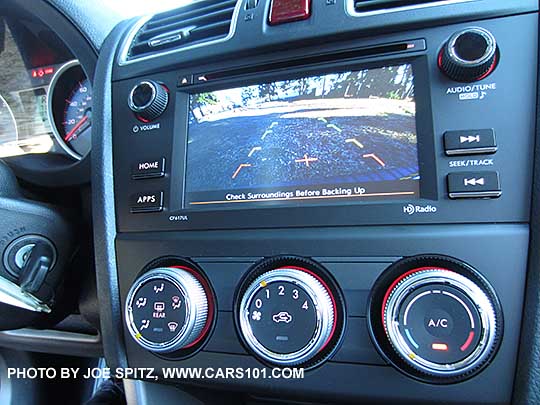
432, 317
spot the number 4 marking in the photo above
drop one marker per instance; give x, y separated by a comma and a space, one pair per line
305, 306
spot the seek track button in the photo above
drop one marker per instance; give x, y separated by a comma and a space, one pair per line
474, 185
148, 169
470, 142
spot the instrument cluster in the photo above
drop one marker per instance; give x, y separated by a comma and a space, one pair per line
45, 96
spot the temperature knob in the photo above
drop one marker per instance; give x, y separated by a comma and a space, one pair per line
148, 100
167, 310
440, 324
288, 316
469, 55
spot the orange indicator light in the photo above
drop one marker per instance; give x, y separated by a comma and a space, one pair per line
440, 347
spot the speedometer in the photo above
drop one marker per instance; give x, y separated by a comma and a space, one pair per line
70, 109
78, 116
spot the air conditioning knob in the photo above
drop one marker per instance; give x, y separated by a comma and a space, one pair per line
435, 318
148, 100
469, 55
167, 310
440, 322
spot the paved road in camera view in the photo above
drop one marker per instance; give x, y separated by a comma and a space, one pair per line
302, 144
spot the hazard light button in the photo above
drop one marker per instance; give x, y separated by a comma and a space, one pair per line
285, 11
469, 142
474, 185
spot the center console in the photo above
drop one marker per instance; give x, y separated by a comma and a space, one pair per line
307, 189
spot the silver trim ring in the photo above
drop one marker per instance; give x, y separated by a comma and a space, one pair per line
137, 109
483, 305
196, 303
324, 310
52, 86
490, 50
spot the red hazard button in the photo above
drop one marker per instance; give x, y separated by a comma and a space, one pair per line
285, 11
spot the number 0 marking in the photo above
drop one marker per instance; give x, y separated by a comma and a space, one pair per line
258, 303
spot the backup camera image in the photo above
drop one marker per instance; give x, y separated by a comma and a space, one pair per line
335, 136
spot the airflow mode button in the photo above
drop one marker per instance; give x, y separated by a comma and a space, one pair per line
148, 169
147, 202
474, 185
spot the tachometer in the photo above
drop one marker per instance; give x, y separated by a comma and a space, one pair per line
70, 109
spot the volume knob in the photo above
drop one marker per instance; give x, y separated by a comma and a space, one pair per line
469, 55
148, 100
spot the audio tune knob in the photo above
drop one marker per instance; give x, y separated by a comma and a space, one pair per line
167, 310
289, 316
148, 100
469, 55
438, 324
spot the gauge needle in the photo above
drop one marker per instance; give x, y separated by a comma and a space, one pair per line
79, 124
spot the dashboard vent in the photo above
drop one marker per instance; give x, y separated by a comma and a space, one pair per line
365, 6
197, 23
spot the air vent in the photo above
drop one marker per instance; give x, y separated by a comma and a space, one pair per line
195, 24
366, 6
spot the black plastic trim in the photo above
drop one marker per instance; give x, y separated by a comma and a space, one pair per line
103, 207
527, 379
329, 23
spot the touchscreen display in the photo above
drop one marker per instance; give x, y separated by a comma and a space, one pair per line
348, 136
